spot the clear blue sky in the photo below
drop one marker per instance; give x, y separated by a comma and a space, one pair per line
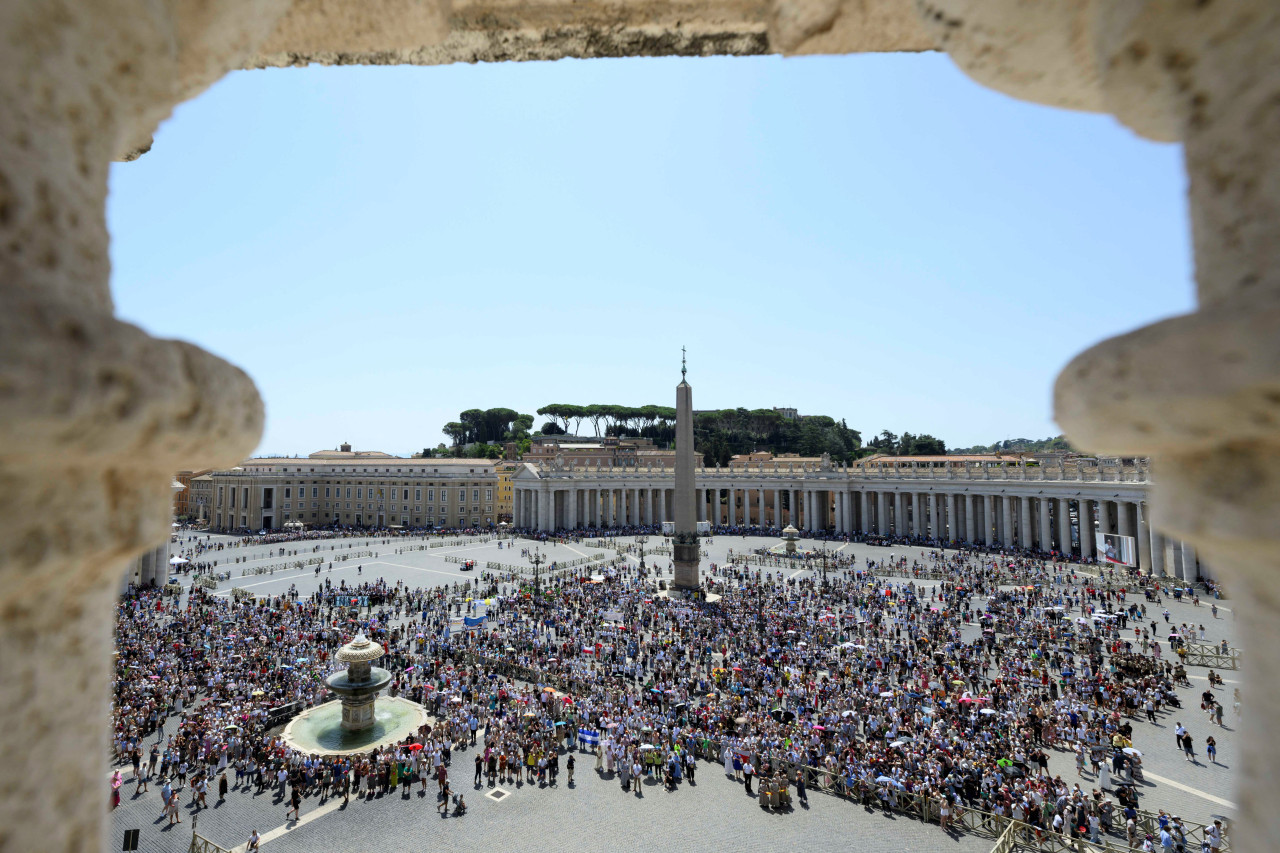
873, 237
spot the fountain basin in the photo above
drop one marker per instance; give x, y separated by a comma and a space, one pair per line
319, 730
341, 682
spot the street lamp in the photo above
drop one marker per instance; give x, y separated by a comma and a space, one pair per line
824, 553
641, 540
537, 559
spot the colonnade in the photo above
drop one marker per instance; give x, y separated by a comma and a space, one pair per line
999, 518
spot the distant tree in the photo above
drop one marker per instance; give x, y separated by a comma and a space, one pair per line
596, 414
885, 442
456, 431
520, 427
552, 428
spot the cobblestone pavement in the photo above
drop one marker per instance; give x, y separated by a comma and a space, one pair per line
595, 813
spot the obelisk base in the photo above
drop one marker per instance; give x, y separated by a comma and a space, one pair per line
685, 559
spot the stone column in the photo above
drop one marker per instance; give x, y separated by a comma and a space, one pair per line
1046, 525
864, 499
1087, 529
882, 512
760, 506
1006, 517
968, 518
1064, 526
662, 505
733, 506
1124, 518
1157, 554
1189, 569
952, 531
988, 519
1104, 518
1025, 536
1143, 535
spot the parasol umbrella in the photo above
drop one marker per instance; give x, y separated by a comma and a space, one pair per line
1128, 750
847, 713
645, 746
528, 714
232, 728
888, 694
258, 693
224, 704
548, 690
898, 743
154, 677
987, 711
782, 715
414, 747
611, 725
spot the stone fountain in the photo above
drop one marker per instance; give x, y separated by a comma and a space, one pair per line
359, 721
360, 684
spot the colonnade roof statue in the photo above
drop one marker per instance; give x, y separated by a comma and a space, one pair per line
97, 415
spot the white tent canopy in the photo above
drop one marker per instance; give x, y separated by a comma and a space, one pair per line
175, 560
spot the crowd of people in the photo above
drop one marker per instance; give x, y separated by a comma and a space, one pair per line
942, 696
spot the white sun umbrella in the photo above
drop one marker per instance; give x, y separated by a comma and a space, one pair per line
986, 711
1128, 750
175, 560
886, 695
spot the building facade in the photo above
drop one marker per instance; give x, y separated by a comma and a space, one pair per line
352, 489
995, 501
503, 496
606, 450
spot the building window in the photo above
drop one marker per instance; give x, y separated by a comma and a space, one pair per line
431, 495
286, 493
488, 494
417, 494
360, 493
462, 496
315, 492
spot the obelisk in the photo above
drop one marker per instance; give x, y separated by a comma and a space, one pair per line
685, 542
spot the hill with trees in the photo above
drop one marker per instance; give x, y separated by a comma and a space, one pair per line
1056, 443
719, 434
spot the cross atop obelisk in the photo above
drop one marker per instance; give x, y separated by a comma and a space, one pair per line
685, 547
